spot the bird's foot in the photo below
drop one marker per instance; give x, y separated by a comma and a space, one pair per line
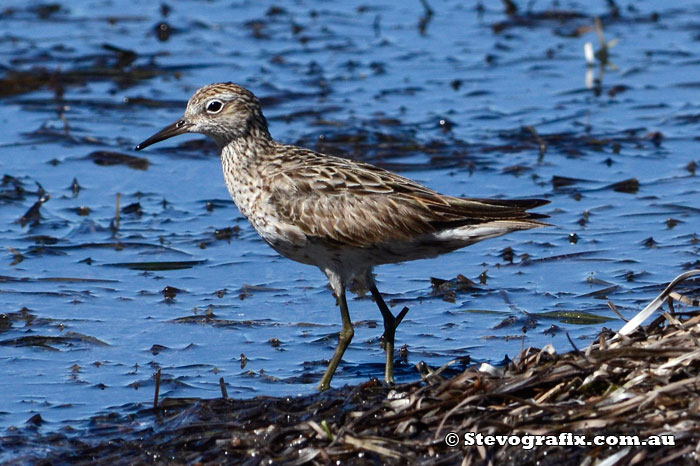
391, 322
390, 327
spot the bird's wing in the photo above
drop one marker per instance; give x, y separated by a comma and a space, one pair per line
342, 201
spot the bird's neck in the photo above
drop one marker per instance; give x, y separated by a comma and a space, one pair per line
248, 149
244, 160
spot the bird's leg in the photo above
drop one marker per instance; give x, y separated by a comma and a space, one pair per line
390, 324
346, 335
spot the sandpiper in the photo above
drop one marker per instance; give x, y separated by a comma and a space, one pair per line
343, 216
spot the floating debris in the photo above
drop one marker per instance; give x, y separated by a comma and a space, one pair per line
33, 215
69, 339
630, 186
17, 256
157, 349
83, 211
170, 292
75, 187
124, 57
163, 31
227, 233
159, 265
133, 208
448, 289
574, 317
108, 158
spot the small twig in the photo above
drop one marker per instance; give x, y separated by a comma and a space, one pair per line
612, 306
603, 54
66, 125
576, 350
459, 405
425, 19
327, 430
428, 373
672, 320
377, 26
155, 398
373, 446
599, 30
224, 392
520, 360
540, 141
17, 256
684, 299
116, 218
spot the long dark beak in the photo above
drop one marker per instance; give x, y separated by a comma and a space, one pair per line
179, 127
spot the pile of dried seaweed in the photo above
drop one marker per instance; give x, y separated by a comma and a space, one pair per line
644, 384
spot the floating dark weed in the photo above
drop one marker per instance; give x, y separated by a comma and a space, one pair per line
109, 158
158, 265
33, 215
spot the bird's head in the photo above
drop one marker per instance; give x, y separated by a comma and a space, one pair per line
223, 111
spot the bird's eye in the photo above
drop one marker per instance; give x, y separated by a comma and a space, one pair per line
214, 106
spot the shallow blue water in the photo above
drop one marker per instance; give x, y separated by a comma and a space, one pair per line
345, 78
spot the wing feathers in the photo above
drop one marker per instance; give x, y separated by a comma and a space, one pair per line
341, 201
